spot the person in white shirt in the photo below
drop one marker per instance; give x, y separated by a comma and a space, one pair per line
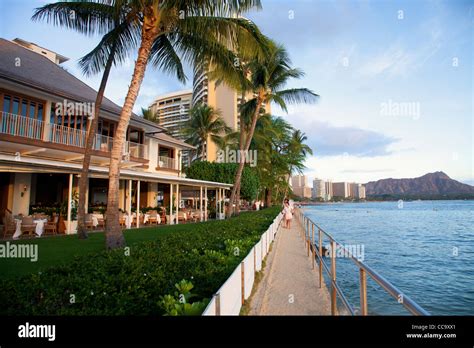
287, 213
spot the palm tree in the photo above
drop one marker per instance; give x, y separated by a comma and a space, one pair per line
281, 150
150, 115
228, 140
266, 80
163, 30
199, 30
90, 17
205, 123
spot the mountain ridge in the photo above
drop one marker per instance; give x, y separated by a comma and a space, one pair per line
436, 183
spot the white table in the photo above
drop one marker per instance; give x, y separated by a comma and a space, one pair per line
39, 230
17, 233
128, 221
40, 226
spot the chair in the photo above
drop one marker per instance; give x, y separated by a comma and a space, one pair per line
163, 216
28, 225
89, 223
153, 218
101, 221
122, 219
9, 225
52, 226
182, 216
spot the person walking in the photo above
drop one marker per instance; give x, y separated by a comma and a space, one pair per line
287, 213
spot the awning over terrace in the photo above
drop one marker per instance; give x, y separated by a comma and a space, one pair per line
177, 184
8, 163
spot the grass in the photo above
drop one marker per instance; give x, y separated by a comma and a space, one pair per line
57, 250
247, 306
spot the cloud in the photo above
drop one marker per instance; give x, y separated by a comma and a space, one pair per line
365, 171
328, 140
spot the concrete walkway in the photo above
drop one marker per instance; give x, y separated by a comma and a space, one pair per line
290, 286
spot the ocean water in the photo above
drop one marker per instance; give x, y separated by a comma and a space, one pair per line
425, 248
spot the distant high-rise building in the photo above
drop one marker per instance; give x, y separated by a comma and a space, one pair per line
341, 189
173, 114
299, 185
319, 189
329, 190
356, 191
220, 97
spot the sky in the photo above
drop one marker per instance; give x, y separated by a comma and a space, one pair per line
395, 80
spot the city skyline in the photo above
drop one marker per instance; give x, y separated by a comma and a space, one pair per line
381, 69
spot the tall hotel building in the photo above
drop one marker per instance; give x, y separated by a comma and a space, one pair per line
220, 97
299, 186
319, 189
173, 113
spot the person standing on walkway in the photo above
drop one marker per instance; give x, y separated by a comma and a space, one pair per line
287, 213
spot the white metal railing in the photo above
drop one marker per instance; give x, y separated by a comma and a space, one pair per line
66, 135
103, 143
311, 233
230, 297
166, 162
20, 126
136, 150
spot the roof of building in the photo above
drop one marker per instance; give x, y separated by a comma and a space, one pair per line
37, 71
173, 95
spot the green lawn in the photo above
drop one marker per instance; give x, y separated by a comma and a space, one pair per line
57, 250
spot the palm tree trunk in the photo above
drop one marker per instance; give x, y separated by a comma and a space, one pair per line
240, 169
268, 197
113, 233
241, 147
91, 132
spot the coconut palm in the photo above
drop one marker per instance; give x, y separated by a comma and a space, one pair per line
205, 123
199, 30
266, 81
150, 115
91, 17
281, 151
164, 32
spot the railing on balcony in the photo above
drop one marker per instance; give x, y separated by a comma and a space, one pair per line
103, 143
21, 126
136, 150
166, 162
66, 135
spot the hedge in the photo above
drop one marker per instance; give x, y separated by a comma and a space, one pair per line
112, 283
225, 173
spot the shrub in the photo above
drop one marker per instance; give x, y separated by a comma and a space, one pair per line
225, 172
112, 283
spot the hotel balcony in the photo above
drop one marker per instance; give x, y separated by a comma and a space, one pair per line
31, 133
165, 162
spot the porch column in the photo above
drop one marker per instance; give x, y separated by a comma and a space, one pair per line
222, 201
200, 204
217, 203
69, 205
205, 203
87, 198
177, 203
129, 202
138, 203
171, 205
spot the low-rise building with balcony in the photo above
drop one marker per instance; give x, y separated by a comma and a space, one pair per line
44, 115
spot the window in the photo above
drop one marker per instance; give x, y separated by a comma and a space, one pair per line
135, 135
21, 105
106, 128
78, 122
